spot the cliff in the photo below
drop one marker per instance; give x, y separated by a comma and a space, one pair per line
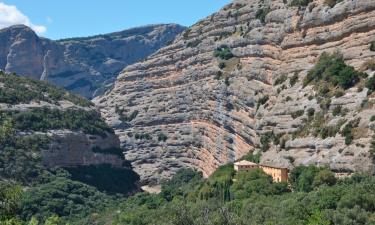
87, 66
234, 83
43, 128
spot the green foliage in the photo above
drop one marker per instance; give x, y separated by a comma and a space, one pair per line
24, 90
142, 136
337, 110
62, 197
162, 137
297, 114
265, 140
262, 13
222, 65
300, 2
44, 119
332, 3
183, 182
370, 84
20, 158
332, 69
223, 52
252, 157
372, 46
263, 100
129, 118
254, 199
347, 131
306, 178
106, 178
10, 196
280, 79
293, 80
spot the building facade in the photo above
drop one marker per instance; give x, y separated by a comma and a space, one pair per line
277, 174
245, 165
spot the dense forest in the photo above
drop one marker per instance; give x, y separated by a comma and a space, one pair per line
314, 197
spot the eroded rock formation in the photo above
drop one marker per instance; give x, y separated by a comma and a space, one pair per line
185, 107
87, 66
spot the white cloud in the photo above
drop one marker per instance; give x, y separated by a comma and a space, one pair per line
10, 15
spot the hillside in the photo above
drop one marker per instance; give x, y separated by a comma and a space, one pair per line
87, 66
290, 79
43, 128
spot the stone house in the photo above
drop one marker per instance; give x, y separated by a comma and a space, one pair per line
278, 174
244, 165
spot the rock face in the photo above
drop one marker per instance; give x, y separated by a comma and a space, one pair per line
87, 66
52, 114
184, 107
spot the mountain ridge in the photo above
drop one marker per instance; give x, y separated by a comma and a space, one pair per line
87, 65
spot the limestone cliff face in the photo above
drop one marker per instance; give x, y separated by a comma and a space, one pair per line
86, 66
36, 109
183, 107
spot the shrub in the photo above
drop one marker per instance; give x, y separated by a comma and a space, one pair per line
262, 13
332, 3
265, 140
347, 131
263, 100
297, 114
331, 68
310, 112
372, 119
223, 52
372, 46
281, 79
293, 80
222, 65
300, 2
370, 84
306, 178
162, 137
129, 118
44, 119
337, 110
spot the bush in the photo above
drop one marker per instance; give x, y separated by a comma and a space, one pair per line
263, 100
222, 65
44, 119
109, 151
337, 110
293, 80
262, 13
370, 84
24, 90
281, 79
162, 137
297, 114
332, 3
306, 178
347, 131
332, 69
223, 52
372, 46
62, 197
300, 2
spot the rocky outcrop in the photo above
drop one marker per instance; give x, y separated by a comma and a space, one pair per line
87, 66
38, 111
185, 107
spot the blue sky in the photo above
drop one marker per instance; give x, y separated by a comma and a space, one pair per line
57, 19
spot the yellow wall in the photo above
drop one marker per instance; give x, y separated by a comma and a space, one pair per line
277, 174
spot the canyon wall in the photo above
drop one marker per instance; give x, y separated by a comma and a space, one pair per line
186, 107
87, 66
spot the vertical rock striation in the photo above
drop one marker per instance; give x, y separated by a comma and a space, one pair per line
87, 66
185, 107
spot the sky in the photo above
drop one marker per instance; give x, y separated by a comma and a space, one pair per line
57, 19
